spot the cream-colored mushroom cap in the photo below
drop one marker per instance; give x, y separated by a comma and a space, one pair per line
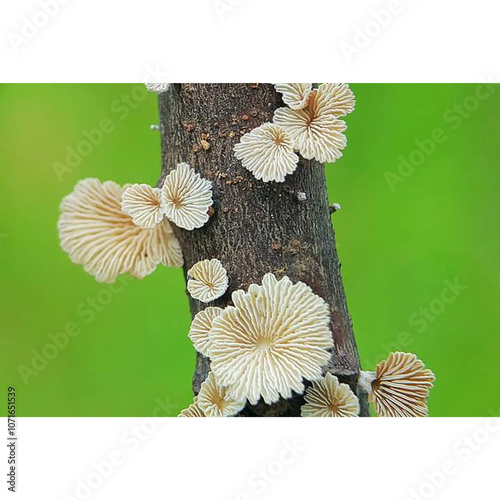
200, 328
207, 280
276, 335
267, 152
295, 95
186, 197
96, 233
316, 130
143, 204
215, 401
338, 98
192, 410
329, 398
401, 386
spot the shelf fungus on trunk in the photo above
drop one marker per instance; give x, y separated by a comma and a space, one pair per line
399, 387
112, 230
186, 197
200, 329
295, 95
275, 335
217, 401
267, 152
310, 125
97, 234
143, 203
316, 129
263, 344
269, 224
207, 280
329, 398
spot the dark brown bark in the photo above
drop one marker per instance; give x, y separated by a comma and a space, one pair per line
255, 227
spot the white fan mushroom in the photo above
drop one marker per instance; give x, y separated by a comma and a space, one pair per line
215, 401
200, 328
267, 152
143, 204
400, 386
207, 280
276, 335
316, 130
97, 234
295, 95
329, 398
186, 197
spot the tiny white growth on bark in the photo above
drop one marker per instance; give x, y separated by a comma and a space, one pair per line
158, 88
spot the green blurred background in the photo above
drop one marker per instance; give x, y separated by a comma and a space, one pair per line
404, 233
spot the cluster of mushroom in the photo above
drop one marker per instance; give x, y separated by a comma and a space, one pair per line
111, 230
310, 125
398, 388
275, 336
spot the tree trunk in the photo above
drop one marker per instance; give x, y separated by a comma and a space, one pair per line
255, 227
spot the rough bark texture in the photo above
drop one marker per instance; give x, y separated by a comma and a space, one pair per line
255, 227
